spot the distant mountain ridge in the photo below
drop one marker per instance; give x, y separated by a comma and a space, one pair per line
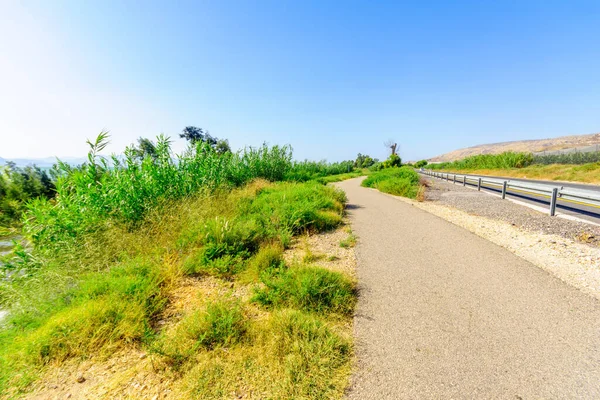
45, 162
530, 146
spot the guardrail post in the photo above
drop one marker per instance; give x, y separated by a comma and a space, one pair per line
447, 177
454, 179
504, 190
464, 180
553, 202
479, 184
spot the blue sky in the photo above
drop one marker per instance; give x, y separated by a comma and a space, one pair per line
330, 78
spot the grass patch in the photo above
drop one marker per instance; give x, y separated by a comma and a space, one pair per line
341, 177
403, 181
295, 355
220, 323
307, 288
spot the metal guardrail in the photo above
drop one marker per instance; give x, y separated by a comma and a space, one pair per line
555, 193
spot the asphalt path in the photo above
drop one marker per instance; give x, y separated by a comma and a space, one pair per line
444, 314
586, 212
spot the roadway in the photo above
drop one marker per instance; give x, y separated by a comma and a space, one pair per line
568, 207
445, 314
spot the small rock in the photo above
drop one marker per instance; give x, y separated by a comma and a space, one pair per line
68, 396
142, 356
155, 397
80, 379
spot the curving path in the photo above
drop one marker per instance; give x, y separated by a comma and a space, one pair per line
446, 314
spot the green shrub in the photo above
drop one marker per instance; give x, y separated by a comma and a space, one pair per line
308, 288
219, 324
402, 181
504, 160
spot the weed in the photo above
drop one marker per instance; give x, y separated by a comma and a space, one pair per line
350, 241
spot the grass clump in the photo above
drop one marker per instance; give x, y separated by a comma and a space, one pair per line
350, 241
403, 181
295, 355
307, 288
220, 323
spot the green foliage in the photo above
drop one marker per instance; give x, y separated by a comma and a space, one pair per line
507, 159
17, 187
420, 164
402, 181
393, 160
112, 247
363, 161
126, 191
567, 158
101, 313
308, 288
145, 148
303, 171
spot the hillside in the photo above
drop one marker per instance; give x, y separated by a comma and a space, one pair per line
533, 146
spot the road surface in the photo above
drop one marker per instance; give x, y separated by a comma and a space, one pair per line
443, 313
587, 212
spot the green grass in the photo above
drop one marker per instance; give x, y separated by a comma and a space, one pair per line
341, 177
307, 288
507, 159
104, 290
403, 181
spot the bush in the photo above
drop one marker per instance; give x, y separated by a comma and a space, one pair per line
219, 324
308, 288
402, 181
504, 160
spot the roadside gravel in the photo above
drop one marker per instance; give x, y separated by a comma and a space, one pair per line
485, 205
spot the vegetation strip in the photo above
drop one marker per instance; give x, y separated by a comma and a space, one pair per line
572, 167
113, 250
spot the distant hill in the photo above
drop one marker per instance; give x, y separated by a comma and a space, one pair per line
46, 162
585, 142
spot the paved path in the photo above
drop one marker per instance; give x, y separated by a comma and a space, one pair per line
445, 314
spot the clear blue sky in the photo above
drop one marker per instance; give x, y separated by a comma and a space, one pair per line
330, 78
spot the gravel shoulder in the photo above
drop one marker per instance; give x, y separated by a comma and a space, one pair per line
444, 313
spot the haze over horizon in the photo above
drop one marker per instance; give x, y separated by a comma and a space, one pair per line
330, 79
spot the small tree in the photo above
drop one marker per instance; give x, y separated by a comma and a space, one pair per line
145, 148
363, 161
420, 164
394, 160
194, 135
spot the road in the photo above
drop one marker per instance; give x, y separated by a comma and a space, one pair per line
589, 213
443, 313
